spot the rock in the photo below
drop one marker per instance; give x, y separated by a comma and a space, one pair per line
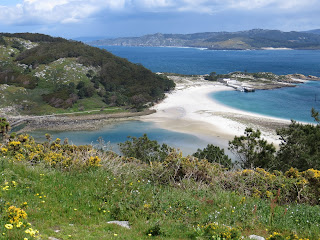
256, 237
124, 224
53, 238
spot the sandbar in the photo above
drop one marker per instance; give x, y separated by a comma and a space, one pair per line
190, 109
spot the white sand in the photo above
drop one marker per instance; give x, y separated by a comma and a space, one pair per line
189, 109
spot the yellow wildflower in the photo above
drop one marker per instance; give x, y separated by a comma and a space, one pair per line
8, 226
19, 224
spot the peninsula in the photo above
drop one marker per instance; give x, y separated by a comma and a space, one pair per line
256, 39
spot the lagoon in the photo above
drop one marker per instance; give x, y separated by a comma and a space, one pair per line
116, 133
199, 61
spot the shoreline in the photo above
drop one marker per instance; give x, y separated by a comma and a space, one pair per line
67, 122
189, 109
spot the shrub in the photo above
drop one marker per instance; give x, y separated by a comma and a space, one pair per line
144, 149
214, 155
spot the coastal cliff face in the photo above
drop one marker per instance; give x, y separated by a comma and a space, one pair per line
253, 39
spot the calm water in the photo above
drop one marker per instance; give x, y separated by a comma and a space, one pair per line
297, 101
118, 132
196, 61
290, 103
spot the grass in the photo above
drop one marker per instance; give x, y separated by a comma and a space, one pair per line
77, 203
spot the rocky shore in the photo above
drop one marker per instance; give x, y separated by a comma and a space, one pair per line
71, 122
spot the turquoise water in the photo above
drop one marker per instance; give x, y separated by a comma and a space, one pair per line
289, 103
116, 133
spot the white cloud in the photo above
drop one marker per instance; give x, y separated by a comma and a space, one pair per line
153, 3
69, 11
56, 10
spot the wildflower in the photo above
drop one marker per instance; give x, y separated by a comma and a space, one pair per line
146, 205
25, 239
8, 226
4, 150
19, 224
6, 188
32, 232
15, 214
115, 234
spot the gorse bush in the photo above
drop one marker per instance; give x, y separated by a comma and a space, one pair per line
217, 231
291, 187
53, 154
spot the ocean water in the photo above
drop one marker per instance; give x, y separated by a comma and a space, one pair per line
199, 61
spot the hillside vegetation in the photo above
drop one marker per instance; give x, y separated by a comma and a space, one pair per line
40, 74
252, 39
54, 189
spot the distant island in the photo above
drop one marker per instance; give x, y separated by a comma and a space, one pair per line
256, 39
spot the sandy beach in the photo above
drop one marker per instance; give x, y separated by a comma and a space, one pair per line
189, 109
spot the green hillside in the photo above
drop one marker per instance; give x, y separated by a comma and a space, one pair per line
49, 75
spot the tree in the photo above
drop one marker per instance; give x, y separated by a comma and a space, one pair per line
214, 155
252, 151
144, 149
300, 146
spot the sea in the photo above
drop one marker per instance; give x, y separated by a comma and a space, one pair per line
289, 103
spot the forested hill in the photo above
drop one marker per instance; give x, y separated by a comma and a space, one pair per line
252, 39
314, 31
43, 74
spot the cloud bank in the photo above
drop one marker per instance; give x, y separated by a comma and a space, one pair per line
72, 11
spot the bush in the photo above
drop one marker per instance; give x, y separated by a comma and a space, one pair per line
144, 149
214, 155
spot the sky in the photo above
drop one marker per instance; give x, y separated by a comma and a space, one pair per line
120, 18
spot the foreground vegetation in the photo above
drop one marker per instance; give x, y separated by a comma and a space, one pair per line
54, 189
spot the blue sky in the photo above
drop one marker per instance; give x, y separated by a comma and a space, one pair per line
115, 18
